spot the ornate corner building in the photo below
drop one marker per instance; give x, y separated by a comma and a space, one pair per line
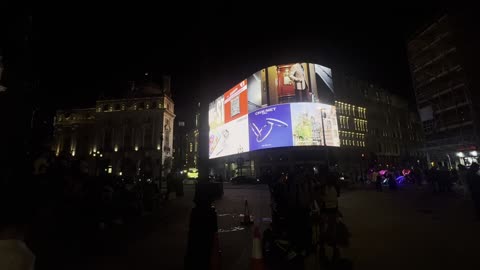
130, 136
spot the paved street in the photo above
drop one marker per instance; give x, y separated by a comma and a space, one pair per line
410, 228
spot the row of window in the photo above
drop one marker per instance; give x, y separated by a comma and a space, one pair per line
378, 96
130, 135
397, 134
192, 147
62, 117
353, 135
344, 122
349, 109
348, 142
360, 124
389, 148
134, 106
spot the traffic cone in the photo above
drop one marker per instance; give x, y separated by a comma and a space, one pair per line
256, 261
215, 257
246, 215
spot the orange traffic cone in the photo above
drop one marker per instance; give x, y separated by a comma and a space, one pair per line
246, 215
215, 257
256, 261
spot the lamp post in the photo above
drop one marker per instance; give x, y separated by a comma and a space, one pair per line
361, 167
161, 154
323, 126
165, 129
322, 115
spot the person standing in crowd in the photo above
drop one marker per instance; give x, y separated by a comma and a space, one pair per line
15, 211
170, 185
462, 179
329, 210
473, 179
378, 182
392, 183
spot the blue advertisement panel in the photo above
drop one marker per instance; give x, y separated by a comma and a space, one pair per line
270, 127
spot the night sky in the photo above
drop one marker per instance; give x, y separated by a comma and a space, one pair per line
90, 53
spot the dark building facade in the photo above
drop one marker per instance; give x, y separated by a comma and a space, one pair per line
125, 136
186, 142
443, 58
383, 124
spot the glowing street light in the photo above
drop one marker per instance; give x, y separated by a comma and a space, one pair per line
460, 154
473, 153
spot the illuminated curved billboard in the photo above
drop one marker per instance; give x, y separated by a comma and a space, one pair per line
279, 106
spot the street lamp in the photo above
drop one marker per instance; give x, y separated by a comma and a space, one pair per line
162, 148
361, 167
323, 115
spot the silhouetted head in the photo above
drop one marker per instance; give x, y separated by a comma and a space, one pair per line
474, 166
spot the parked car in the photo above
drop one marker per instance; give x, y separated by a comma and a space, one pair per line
242, 179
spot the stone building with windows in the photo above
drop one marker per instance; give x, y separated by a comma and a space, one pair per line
376, 126
130, 136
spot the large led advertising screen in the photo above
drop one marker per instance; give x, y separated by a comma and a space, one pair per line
279, 106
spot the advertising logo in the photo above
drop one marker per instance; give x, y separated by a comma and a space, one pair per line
270, 127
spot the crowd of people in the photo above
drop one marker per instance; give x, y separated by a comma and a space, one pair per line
65, 207
306, 220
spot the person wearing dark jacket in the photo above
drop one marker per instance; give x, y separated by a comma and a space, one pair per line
473, 179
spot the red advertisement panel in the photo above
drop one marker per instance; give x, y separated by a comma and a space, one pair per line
236, 102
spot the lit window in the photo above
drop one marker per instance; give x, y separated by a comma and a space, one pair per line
191, 147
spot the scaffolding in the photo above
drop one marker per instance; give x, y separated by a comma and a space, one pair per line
440, 83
